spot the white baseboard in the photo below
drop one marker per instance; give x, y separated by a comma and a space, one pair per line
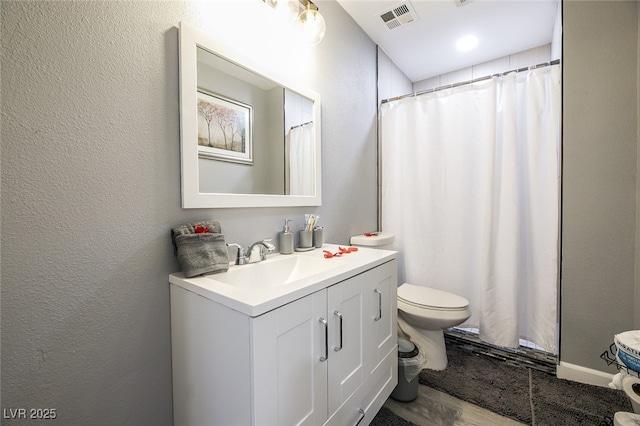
583, 374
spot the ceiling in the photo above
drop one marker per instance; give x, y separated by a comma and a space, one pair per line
425, 46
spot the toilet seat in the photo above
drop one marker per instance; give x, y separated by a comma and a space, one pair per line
430, 298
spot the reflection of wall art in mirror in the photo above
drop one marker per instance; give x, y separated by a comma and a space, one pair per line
225, 129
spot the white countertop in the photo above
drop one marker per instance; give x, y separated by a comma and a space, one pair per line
255, 299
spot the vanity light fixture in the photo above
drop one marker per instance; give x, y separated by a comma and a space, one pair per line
311, 23
306, 15
287, 9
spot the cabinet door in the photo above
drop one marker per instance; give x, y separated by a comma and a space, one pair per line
380, 329
290, 380
364, 372
345, 308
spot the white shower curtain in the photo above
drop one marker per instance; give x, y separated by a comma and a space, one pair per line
470, 188
301, 164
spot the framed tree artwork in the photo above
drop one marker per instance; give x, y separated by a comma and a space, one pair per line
225, 129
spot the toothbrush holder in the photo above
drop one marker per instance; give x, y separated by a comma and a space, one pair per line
306, 239
317, 237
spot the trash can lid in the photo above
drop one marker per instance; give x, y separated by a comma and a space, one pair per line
406, 349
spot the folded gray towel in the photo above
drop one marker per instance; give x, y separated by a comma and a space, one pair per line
190, 228
198, 250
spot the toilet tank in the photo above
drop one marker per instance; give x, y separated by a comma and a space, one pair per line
378, 240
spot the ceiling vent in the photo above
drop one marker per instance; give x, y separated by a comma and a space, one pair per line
399, 15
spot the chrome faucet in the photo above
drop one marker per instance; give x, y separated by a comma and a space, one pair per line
255, 253
258, 250
241, 259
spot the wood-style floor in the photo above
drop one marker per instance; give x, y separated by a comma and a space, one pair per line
435, 408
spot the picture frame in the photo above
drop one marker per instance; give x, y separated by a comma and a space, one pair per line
225, 128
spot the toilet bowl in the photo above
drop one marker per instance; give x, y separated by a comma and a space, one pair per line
626, 419
423, 315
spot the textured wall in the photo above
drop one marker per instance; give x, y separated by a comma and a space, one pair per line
636, 322
599, 177
90, 188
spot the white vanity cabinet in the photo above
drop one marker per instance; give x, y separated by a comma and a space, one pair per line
328, 357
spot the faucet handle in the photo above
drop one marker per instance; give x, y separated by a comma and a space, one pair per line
240, 257
269, 246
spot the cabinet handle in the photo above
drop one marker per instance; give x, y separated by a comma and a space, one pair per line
379, 317
326, 340
361, 417
339, 315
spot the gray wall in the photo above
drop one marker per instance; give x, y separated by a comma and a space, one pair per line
599, 177
91, 186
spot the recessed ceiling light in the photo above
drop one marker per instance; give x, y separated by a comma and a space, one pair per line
466, 43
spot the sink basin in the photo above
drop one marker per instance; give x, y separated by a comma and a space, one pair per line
258, 288
276, 272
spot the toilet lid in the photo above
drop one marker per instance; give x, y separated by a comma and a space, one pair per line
427, 297
373, 239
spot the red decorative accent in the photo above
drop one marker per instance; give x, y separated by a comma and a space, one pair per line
370, 234
341, 251
202, 229
347, 250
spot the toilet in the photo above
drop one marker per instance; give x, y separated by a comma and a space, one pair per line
423, 315
423, 312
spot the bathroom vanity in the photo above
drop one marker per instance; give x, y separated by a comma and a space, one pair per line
295, 339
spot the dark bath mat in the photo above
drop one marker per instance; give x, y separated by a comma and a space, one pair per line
504, 389
563, 402
483, 381
386, 417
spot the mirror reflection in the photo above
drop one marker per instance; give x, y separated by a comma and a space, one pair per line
254, 136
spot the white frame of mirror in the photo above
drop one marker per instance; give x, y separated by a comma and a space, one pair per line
190, 39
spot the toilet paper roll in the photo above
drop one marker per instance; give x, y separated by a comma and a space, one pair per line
631, 386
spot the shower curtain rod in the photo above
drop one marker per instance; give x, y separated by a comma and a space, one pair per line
475, 80
300, 125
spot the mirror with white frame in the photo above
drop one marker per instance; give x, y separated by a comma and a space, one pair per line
248, 137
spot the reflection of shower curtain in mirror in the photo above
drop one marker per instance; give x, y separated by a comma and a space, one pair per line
301, 160
470, 188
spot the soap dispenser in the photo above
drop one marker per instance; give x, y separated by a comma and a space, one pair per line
286, 239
